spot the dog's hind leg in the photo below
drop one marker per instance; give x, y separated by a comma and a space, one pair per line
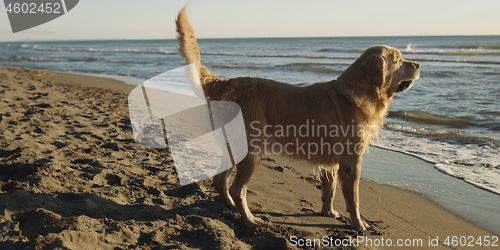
328, 185
244, 172
221, 183
349, 174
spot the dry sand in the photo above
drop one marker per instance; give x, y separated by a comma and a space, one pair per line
72, 177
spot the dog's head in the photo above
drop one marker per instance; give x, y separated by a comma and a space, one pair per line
385, 68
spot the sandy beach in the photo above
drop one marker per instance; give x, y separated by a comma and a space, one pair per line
72, 177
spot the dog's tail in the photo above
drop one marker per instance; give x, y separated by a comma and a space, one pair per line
189, 47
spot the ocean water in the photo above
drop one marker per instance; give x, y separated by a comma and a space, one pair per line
450, 117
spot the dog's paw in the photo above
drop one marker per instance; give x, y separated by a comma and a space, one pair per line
254, 222
230, 205
360, 225
330, 213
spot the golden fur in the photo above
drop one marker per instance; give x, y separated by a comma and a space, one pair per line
358, 99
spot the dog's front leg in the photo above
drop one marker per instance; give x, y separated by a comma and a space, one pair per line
328, 185
349, 174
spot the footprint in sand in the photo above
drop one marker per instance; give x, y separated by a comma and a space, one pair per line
305, 206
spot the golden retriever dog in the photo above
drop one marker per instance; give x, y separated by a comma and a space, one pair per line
345, 115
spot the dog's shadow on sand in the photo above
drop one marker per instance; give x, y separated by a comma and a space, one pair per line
341, 231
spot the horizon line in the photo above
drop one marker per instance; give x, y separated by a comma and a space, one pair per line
222, 38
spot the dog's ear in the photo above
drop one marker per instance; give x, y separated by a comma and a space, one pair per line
375, 67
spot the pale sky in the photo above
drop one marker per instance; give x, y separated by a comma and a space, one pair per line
154, 19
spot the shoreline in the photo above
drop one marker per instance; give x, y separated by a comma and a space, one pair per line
411, 173
116, 161
476, 185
